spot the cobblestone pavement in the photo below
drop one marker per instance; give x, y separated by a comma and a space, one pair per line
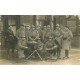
73, 60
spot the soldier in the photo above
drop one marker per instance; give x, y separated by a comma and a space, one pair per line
9, 39
57, 34
13, 28
21, 35
27, 28
11, 42
48, 32
67, 36
43, 34
50, 47
39, 28
40, 46
33, 34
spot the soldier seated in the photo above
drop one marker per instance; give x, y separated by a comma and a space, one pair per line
34, 48
40, 48
50, 47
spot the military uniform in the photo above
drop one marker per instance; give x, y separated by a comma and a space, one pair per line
50, 47
27, 28
47, 33
57, 34
13, 28
43, 34
21, 35
40, 47
33, 34
10, 42
40, 32
67, 36
9, 39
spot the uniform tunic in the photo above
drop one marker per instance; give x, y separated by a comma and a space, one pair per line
66, 40
67, 36
40, 45
57, 34
21, 35
33, 35
46, 35
50, 48
50, 45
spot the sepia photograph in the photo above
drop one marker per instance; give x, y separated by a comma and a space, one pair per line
40, 39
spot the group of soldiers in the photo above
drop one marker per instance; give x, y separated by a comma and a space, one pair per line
50, 43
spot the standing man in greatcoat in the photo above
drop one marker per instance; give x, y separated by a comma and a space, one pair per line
66, 41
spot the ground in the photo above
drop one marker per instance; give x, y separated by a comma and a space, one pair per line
73, 60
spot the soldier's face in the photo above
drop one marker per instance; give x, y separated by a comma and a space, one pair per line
21, 26
38, 27
57, 27
28, 27
44, 27
33, 28
39, 40
62, 27
48, 28
50, 39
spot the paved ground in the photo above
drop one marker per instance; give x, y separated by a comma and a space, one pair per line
73, 60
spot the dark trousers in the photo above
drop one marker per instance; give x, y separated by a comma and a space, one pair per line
66, 53
27, 52
58, 49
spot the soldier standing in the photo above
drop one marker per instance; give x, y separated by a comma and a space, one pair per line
9, 41
21, 35
33, 34
13, 28
39, 28
48, 33
40, 46
27, 28
43, 34
57, 34
67, 36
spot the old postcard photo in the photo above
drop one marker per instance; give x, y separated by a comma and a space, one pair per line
40, 39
